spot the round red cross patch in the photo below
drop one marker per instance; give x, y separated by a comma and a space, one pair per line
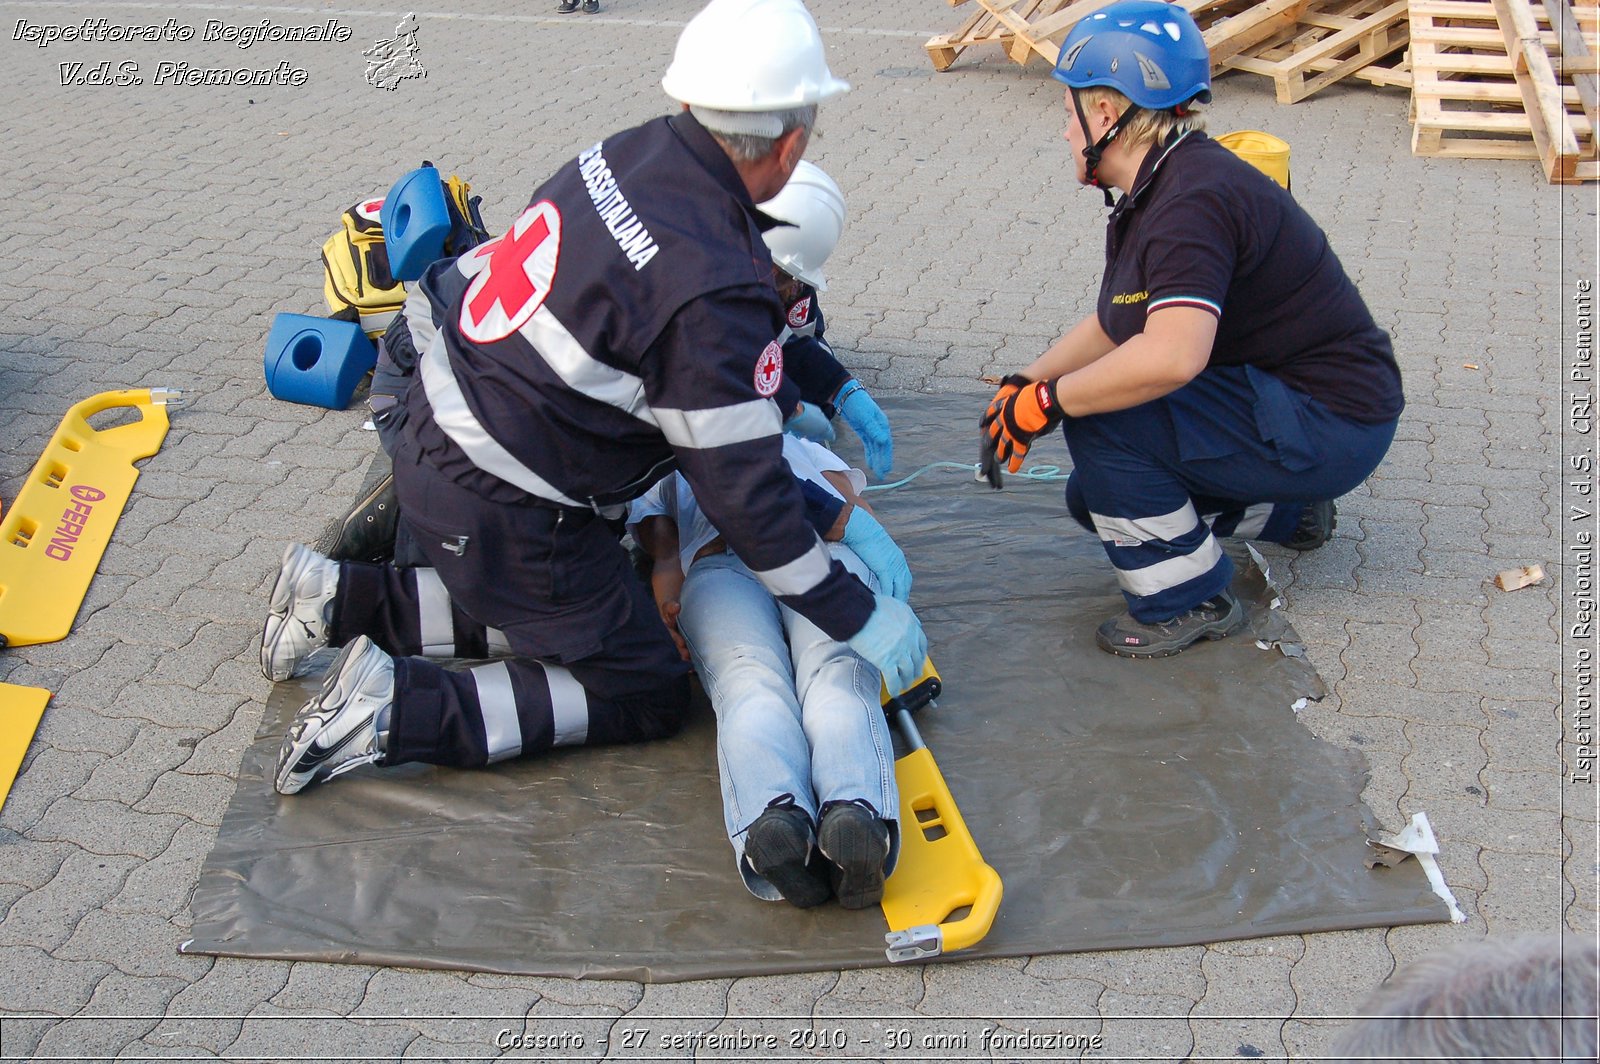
370, 209
769, 370
511, 275
799, 313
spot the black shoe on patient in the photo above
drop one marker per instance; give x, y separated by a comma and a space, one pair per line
778, 846
855, 840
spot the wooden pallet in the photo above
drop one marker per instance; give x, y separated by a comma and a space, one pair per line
1326, 41
1393, 74
1231, 34
982, 27
1304, 45
1481, 91
1564, 158
1026, 28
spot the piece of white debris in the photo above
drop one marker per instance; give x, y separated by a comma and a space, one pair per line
1512, 579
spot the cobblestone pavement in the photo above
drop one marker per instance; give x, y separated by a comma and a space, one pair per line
150, 231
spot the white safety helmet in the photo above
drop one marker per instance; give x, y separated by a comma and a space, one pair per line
751, 55
814, 208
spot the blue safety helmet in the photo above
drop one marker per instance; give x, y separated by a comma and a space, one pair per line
1151, 52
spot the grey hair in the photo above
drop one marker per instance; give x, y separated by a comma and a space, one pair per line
1460, 1003
750, 135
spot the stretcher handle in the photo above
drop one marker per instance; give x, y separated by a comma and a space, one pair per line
87, 408
984, 902
923, 690
137, 439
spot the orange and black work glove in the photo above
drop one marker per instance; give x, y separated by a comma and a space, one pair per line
988, 465
1020, 412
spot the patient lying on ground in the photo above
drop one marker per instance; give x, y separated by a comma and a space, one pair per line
803, 750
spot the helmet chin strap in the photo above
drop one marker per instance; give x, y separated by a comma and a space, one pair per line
1093, 152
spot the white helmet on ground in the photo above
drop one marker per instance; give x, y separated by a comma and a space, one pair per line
751, 55
814, 208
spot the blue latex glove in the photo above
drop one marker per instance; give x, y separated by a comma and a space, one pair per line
874, 546
811, 424
863, 414
893, 640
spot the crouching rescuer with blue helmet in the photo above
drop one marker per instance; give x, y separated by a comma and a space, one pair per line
623, 327
1231, 381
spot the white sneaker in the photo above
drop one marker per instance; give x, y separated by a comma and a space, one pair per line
302, 605
337, 730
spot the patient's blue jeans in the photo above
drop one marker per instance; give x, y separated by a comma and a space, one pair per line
797, 712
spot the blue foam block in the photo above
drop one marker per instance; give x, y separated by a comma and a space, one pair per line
317, 361
415, 223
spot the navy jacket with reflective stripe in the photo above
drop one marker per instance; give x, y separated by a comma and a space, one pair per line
654, 350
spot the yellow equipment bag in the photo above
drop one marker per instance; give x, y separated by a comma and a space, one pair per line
357, 281
57, 529
467, 230
356, 278
940, 872
1261, 150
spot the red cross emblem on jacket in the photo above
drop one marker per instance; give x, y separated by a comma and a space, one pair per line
511, 286
769, 370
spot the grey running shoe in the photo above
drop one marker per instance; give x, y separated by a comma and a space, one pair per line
302, 605
337, 730
1316, 526
856, 843
778, 846
1214, 618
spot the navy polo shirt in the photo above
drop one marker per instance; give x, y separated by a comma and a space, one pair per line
1203, 228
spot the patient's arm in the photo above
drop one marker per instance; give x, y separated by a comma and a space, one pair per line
658, 536
841, 481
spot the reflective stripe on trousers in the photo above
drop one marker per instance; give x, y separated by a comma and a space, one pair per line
1143, 477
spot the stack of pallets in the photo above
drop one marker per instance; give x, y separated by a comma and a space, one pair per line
1325, 41
1505, 79
1302, 45
1489, 78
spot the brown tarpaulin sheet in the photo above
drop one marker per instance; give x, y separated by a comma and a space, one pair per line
1124, 803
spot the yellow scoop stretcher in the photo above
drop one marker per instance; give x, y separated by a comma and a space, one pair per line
54, 534
940, 871
21, 709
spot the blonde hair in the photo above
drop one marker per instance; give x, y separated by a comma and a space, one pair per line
1145, 126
